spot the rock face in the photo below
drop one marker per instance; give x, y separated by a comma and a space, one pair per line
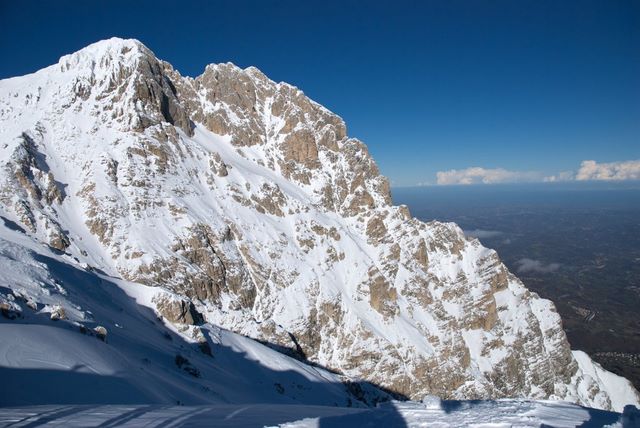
176, 310
249, 200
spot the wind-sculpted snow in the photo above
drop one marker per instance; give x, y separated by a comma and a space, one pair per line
248, 203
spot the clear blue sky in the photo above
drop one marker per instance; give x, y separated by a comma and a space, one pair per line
427, 85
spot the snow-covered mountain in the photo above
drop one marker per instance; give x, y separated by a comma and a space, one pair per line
237, 202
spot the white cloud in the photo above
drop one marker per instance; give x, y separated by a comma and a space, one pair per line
531, 265
589, 170
479, 175
626, 170
561, 176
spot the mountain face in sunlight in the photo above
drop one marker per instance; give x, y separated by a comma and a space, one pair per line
235, 206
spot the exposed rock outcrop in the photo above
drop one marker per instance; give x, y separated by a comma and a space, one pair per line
177, 310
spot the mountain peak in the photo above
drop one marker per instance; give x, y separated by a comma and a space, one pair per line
105, 52
250, 202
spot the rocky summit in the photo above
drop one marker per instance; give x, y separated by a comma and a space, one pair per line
246, 205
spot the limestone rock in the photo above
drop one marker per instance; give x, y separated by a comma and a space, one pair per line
101, 333
58, 313
9, 309
177, 310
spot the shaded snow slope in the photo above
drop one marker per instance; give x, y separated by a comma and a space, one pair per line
239, 201
504, 413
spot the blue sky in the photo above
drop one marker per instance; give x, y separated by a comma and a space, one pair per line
531, 87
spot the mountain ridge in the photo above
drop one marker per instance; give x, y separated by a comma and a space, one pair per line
250, 202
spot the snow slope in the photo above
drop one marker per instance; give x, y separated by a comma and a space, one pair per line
238, 200
502, 413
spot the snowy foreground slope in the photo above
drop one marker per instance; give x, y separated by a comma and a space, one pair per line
235, 207
490, 414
